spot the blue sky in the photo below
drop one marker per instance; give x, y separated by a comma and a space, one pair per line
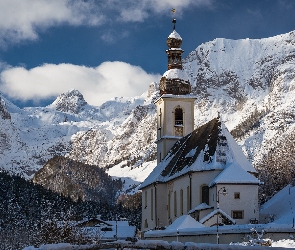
114, 47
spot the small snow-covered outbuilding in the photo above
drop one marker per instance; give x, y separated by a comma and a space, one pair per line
98, 229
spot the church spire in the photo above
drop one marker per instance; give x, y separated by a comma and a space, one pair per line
174, 41
174, 81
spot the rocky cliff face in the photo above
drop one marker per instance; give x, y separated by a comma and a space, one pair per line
71, 101
251, 83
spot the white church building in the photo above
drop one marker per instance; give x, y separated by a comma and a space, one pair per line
200, 172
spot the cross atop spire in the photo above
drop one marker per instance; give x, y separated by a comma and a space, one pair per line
174, 23
173, 19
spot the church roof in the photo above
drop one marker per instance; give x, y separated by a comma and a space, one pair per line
202, 206
234, 174
184, 221
208, 147
217, 212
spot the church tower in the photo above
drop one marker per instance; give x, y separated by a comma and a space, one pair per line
175, 107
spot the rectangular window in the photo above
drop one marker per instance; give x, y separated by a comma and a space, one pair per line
237, 195
181, 201
152, 204
175, 204
239, 214
205, 194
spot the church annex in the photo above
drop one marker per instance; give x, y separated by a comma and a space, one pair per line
202, 172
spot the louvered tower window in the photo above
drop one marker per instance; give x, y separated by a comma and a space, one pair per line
178, 116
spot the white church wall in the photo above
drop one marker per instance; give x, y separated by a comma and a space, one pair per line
187, 106
161, 205
163, 147
179, 190
181, 200
148, 208
154, 206
198, 180
240, 202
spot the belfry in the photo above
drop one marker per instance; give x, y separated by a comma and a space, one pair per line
175, 107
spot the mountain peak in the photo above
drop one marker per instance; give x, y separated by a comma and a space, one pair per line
71, 101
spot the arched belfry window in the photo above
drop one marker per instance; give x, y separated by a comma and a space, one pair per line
178, 116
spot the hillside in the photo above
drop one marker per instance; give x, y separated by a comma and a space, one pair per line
77, 180
249, 82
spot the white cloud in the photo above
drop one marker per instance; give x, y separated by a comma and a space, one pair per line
98, 84
23, 19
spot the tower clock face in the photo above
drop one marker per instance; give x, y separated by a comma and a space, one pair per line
178, 131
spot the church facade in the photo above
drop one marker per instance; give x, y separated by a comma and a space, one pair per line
201, 172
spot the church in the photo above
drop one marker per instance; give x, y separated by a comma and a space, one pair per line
200, 172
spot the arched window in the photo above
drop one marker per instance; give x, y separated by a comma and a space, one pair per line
152, 204
178, 116
181, 202
175, 204
146, 224
205, 194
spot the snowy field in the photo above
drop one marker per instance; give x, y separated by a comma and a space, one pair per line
132, 177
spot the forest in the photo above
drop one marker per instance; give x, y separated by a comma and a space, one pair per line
32, 215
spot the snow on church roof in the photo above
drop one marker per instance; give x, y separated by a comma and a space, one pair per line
176, 73
234, 174
236, 151
184, 221
208, 147
213, 213
175, 35
202, 206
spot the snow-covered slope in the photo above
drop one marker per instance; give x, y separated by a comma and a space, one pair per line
251, 83
280, 208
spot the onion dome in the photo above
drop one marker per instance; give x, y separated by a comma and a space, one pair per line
174, 40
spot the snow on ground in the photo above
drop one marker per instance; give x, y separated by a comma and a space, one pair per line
134, 176
284, 243
274, 211
174, 245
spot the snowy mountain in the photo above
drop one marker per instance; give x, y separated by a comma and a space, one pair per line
71, 127
249, 82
